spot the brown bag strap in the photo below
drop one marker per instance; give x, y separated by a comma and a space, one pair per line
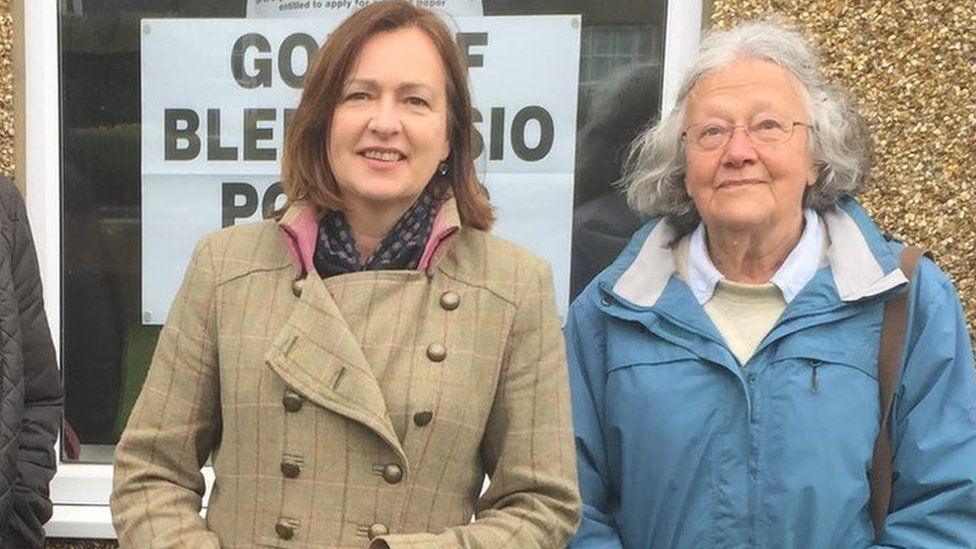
889, 368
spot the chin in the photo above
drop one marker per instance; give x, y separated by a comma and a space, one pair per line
738, 218
385, 196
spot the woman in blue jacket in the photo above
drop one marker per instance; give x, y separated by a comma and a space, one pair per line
724, 367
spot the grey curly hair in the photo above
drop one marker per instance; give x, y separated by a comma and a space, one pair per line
654, 171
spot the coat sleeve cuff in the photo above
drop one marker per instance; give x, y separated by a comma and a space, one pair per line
447, 540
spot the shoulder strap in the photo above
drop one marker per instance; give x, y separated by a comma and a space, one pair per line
889, 368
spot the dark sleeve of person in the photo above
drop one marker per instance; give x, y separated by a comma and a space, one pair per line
43, 396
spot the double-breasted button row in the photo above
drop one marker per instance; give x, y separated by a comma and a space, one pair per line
286, 528
292, 401
436, 352
391, 473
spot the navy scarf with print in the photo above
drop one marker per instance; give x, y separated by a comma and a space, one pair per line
401, 248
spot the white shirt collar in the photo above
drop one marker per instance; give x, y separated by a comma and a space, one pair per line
799, 267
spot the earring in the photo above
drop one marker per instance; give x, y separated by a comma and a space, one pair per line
443, 167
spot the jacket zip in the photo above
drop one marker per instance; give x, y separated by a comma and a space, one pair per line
746, 385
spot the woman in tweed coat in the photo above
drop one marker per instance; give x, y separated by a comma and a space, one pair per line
352, 403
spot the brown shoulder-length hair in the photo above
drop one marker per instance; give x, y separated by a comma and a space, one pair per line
306, 173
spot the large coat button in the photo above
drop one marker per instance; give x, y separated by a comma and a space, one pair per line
290, 468
392, 473
450, 301
436, 352
377, 530
292, 401
297, 286
423, 418
284, 529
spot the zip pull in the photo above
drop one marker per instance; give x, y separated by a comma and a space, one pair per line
814, 381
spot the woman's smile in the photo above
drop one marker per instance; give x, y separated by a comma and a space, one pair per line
383, 159
739, 183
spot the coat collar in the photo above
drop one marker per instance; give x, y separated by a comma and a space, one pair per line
861, 261
300, 222
299, 229
446, 225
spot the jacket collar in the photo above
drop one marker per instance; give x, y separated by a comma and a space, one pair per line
446, 224
299, 227
861, 261
300, 222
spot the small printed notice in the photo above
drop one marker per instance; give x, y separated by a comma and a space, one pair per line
328, 8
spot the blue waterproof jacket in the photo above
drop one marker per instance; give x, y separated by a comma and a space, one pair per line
678, 446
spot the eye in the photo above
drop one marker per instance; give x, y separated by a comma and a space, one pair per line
769, 124
711, 130
356, 96
416, 101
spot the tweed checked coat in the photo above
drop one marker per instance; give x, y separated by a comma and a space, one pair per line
363, 406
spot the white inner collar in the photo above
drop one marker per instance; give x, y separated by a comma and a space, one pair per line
800, 266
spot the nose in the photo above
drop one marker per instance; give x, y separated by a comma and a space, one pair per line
740, 150
384, 120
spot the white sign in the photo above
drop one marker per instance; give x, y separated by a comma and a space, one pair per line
327, 8
217, 96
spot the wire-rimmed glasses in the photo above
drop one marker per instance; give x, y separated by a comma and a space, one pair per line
768, 130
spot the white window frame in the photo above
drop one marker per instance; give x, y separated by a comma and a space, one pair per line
80, 492
682, 32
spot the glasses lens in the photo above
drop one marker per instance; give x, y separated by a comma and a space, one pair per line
710, 136
770, 130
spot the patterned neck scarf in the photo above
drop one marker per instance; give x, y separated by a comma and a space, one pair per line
401, 249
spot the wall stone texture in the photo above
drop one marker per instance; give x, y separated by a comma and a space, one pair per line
910, 66
6, 91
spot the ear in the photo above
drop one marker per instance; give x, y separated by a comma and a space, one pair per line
813, 173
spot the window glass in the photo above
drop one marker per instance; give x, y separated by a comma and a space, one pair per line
106, 348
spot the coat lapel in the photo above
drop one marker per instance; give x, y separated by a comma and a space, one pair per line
317, 355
